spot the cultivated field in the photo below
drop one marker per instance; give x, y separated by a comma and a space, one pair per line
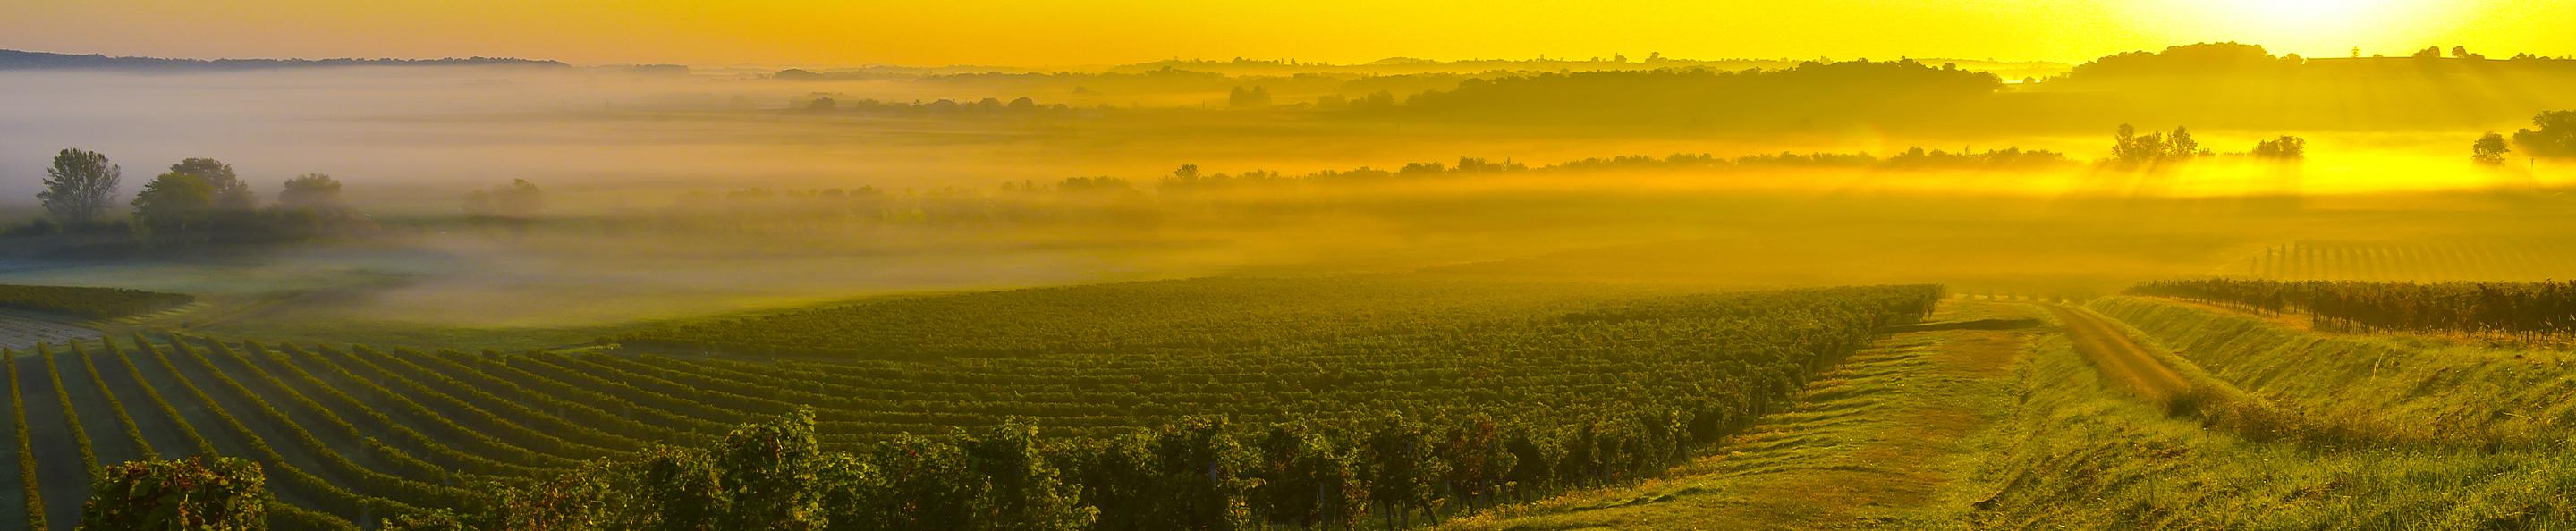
1576, 386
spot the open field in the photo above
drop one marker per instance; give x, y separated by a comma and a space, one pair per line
2060, 439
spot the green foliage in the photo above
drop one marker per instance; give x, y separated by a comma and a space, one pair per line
2076, 454
2515, 307
125, 420
93, 303
226, 190
228, 494
174, 201
71, 417
78, 185
26, 448
1213, 404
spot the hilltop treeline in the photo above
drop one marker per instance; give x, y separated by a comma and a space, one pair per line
2516, 308
1189, 177
2226, 85
1799, 95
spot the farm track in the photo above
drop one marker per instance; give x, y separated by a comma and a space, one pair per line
1870, 444
2119, 358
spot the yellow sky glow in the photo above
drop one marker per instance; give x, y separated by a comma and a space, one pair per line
1027, 32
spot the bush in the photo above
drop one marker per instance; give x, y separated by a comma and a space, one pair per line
226, 495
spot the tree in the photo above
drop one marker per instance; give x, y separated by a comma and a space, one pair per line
230, 192
2489, 150
1025, 492
226, 495
2183, 147
77, 187
2556, 137
1241, 98
2429, 52
311, 191
767, 475
515, 204
2130, 148
521, 200
173, 201
2284, 148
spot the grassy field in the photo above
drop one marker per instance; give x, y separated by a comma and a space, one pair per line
2048, 443
1884, 440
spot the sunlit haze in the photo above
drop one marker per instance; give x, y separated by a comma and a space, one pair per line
1155, 265
1029, 33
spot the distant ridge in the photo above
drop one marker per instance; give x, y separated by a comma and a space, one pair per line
21, 60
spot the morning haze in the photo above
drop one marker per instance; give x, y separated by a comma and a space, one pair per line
682, 265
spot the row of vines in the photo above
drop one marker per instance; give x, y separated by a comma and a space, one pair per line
2518, 308
1411, 403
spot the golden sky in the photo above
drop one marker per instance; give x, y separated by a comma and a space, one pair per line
1051, 32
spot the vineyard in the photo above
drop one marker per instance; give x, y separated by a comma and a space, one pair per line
2524, 309
1199, 404
90, 303
2498, 260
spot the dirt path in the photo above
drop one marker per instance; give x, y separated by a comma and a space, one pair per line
1869, 445
2119, 358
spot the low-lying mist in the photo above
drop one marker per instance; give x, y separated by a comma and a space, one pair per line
678, 196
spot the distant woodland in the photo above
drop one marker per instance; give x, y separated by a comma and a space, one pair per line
2219, 85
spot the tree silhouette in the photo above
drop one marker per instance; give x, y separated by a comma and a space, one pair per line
2556, 137
2489, 150
1253, 98
2284, 148
78, 185
2182, 146
2130, 148
311, 191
